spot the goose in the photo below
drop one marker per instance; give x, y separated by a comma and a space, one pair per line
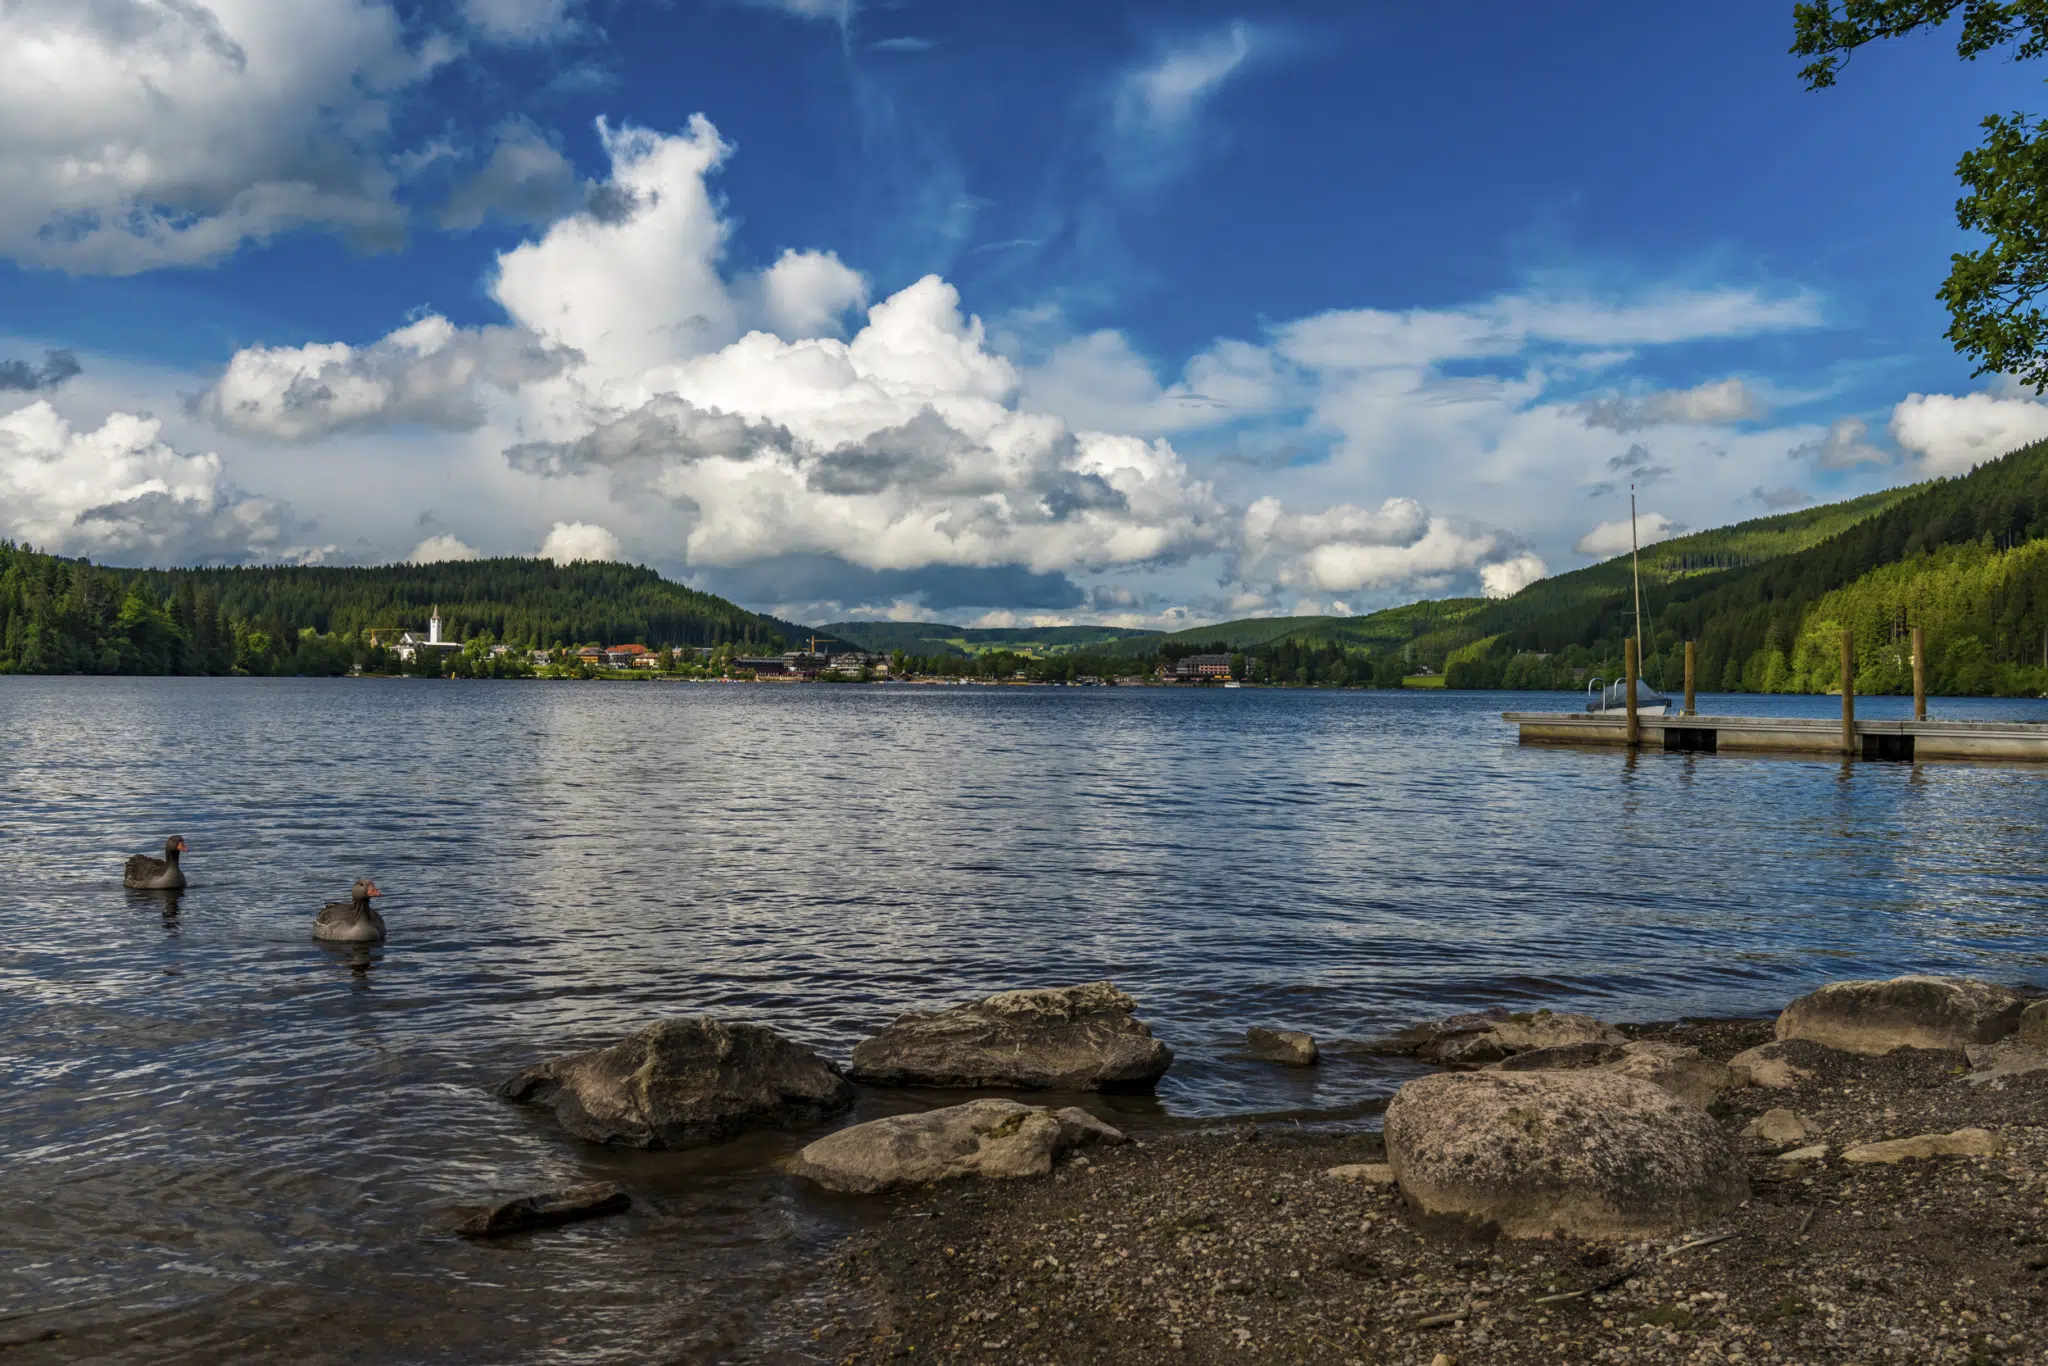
354, 921
157, 874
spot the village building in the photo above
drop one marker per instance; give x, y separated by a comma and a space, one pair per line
411, 643
1202, 666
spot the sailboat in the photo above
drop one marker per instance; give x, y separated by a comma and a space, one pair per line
1614, 696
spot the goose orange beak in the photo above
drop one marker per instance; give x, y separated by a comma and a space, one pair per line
374, 891
184, 848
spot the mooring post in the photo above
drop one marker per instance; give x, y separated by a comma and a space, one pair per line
1848, 695
1628, 687
1919, 674
1691, 662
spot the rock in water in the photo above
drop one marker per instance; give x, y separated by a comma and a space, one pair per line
546, 1210
1496, 1039
1563, 1055
1050, 1038
1584, 1153
680, 1083
1288, 1047
1906, 1012
997, 1140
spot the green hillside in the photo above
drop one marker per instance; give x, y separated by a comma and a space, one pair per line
71, 616
928, 638
1964, 559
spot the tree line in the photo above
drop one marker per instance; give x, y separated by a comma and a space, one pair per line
60, 615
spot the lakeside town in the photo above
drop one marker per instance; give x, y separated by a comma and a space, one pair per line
821, 660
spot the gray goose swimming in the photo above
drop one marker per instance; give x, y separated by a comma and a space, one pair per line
354, 921
157, 874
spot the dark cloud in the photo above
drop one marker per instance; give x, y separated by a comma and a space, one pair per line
527, 180
665, 428
1778, 500
827, 579
23, 377
921, 450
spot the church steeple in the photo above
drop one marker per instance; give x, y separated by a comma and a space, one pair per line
434, 626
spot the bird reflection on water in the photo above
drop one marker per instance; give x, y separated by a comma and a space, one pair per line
359, 959
164, 901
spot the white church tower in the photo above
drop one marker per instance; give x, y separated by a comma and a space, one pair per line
434, 626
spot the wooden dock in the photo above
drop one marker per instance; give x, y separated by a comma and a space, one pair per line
1904, 741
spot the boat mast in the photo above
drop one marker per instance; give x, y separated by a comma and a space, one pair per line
1635, 555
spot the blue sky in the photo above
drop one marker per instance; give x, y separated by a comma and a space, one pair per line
1181, 311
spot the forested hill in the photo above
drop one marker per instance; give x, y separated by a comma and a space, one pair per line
931, 638
1964, 559
71, 616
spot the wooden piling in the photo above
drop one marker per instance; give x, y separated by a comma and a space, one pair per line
1691, 669
1848, 695
1919, 674
1628, 686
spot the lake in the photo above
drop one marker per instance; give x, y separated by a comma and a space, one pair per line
226, 1142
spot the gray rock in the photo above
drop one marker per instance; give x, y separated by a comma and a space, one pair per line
1961, 1143
1873, 1017
2033, 1026
1415, 1038
1779, 1128
2014, 1057
1683, 1071
1767, 1066
680, 1083
1364, 1173
1586, 1153
1497, 1039
1562, 1056
1289, 1047
1078, 1129
996, 1140
546, 1210
1080, 1038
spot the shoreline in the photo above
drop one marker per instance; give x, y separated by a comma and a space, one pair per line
1233, 1244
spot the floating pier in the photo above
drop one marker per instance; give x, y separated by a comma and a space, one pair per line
1905, 741
1685, 732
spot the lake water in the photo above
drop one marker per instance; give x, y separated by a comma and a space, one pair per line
225, 1142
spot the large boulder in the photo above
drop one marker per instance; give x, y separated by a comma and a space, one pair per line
997, 1140
1906, 1012
680, 1083
1476, 1040
1584, 1153
1046, 1039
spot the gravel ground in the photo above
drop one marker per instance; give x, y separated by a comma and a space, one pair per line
1234, 1246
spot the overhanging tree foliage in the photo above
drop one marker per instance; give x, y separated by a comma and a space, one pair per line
1991, 293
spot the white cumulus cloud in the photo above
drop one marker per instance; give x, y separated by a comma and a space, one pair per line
429, 372
569, 542
445, 547
1509, 577
1844, 446
1717, 401
120, 491
145, 133
1613, 538
1953, 433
